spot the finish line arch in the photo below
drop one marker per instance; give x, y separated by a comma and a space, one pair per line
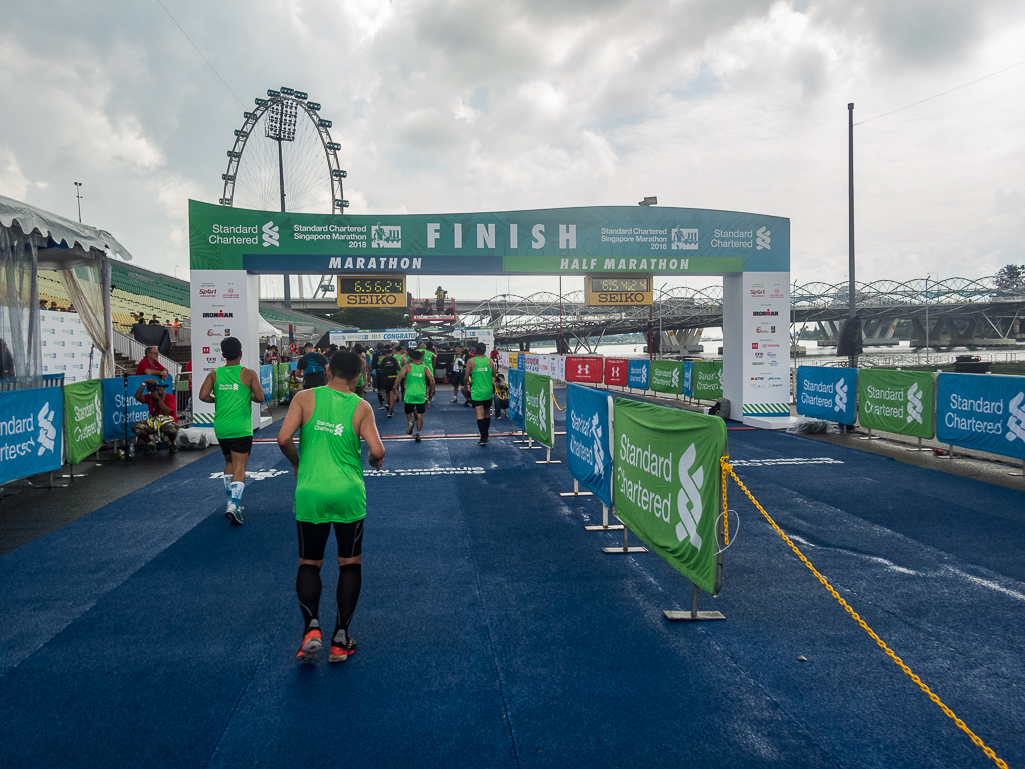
230, 247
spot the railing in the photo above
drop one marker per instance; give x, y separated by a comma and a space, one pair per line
427, 310
136, 350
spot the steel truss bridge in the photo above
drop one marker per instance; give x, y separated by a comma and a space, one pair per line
966, 312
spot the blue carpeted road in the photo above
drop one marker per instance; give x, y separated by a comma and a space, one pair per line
494, 632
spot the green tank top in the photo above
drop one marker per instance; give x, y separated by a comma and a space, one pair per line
429, 360
416, 384
330, 484
233, 414
482, 387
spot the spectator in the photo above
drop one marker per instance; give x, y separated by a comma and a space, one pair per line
494, 355
54, 307
501, 395
150, 366
153, 321
177, 322
42, 304
162, 424
271, 355
71, 308
440, 295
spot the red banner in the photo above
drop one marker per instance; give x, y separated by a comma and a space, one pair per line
616, 371
580, 368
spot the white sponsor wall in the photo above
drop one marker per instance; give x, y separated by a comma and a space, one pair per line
224, 303
756, 321
67, 346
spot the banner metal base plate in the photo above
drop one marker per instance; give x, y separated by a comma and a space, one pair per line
623, 549
576, 494
686, 616
614, 527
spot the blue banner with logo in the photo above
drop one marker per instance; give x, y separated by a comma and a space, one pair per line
825, 392
688, 378
31, 432
637, 374
267, 380
516, 403
983, 412
521, 361
589, 439
114, 406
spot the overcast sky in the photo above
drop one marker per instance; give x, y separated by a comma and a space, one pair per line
453, 106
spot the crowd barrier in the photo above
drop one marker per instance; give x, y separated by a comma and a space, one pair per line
984, 412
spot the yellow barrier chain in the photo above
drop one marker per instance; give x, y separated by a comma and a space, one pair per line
725, 512
728, 468
560, 408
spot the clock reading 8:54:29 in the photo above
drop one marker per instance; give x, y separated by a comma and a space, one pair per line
371, 286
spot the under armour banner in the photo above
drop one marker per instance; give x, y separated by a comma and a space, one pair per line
538, 416
897, 401
666, 483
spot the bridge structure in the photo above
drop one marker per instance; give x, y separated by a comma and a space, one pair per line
955, 312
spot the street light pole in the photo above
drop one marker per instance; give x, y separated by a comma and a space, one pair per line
852, 310
78, 194
927, 319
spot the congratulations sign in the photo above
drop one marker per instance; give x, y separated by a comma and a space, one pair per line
824, 392
588, 436
666, 483
667, 376
982, 412
31, 430
537, 408
896, 401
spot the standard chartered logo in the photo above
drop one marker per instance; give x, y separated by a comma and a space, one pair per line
763, 240
47, 432
542, 411
270, 235
676, 377
840, 400
599, 450
1016, 420
914, 404
688, 499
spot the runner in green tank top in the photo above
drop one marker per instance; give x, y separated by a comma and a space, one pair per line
232, 388
330, 494
481, 372
419, 387
429, 362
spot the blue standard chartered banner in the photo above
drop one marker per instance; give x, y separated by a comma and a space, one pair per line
826, 392
688, 378
267, 380
114, 406
984, 412
516, 398
588, 436
31, 432
637, 373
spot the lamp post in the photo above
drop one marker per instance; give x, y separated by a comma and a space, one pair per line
927, 275
852, 309
78, 194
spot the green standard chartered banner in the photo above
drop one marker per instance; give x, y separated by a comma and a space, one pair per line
706, 380
897, 401
83, 418
280, 381
666, 483
666, 376
537, 411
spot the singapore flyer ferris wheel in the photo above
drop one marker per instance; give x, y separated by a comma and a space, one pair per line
284, 159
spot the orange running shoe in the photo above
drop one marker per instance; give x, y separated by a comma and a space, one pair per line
311, 646
340, 650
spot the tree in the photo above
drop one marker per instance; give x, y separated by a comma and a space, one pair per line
1011, 277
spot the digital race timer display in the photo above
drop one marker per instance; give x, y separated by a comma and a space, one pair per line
372, 285
620, 284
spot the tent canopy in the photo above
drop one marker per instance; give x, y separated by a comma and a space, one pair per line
61, 243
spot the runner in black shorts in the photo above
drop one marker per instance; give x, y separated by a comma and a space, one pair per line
242, 445
389, 373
